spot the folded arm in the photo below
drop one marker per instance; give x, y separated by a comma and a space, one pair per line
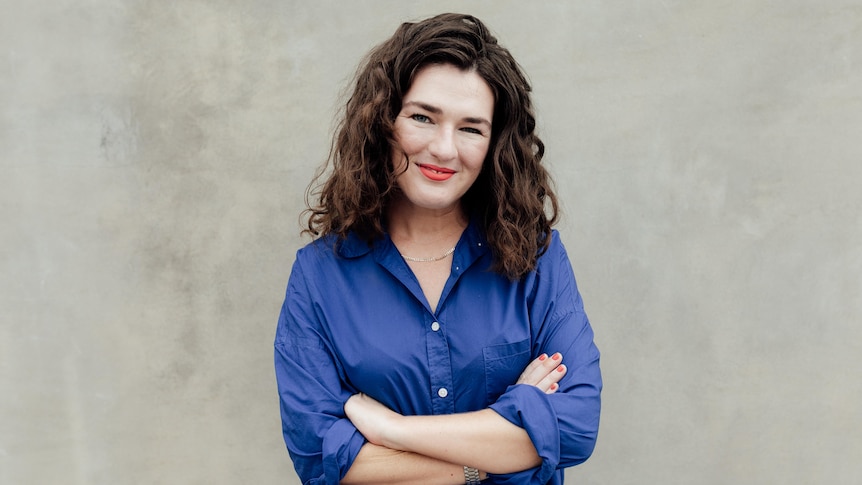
444, 443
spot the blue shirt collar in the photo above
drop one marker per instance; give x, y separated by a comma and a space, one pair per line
353, 246
472, 240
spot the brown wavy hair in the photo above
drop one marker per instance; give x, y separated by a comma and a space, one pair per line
513, 197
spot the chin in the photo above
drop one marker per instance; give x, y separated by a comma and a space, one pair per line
438, 207
434, 204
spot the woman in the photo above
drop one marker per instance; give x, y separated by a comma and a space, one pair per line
433, 331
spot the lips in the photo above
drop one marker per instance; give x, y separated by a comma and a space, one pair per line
435, 173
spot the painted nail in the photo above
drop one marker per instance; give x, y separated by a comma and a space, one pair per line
557, 356
543, 357
561, 368
554, 387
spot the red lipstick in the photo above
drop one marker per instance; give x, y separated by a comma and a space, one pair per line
435, 173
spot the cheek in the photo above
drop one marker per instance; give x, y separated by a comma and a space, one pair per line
476, 155
410, 142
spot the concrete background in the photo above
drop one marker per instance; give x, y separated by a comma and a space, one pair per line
154, 156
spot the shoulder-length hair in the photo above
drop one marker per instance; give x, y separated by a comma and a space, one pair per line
513, 197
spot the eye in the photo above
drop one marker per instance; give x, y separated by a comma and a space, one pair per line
474, 131
420, 118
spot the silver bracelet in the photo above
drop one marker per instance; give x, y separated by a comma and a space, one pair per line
471, 476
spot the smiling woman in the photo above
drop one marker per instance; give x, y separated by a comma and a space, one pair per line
433, 331
442, 134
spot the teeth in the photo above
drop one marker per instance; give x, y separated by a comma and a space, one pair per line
435, 171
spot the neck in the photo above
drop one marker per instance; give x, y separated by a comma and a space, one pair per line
426, 229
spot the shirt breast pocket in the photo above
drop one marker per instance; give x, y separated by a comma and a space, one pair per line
503, 365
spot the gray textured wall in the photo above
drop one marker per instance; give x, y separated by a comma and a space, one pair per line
153, 159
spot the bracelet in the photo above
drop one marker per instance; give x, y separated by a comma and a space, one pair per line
471, 476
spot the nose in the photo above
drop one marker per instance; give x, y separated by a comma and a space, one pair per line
442, 146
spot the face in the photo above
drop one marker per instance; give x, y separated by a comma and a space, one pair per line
443, 132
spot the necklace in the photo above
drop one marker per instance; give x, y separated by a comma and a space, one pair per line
429, 260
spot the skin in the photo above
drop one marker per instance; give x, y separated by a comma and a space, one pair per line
443, 132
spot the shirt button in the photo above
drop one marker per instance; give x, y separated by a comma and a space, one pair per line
443, 392
435, 326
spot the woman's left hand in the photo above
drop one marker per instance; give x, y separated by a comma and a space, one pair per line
371, 418
544, 372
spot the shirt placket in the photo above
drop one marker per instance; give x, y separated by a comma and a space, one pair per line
442, 392
439, 366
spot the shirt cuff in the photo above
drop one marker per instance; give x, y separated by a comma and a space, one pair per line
341, 444
528, 407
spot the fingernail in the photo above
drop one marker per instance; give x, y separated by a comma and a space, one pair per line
561, 368
554, 387
557, 356
543, 357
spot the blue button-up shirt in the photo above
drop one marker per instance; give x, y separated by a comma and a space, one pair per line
355, 320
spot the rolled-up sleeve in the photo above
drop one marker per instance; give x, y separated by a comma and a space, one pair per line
321, 441
522, 406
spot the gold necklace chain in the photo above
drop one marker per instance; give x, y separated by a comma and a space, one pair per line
429, 260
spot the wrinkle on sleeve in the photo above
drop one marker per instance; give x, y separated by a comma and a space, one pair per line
563, 426
321, 441
565, 328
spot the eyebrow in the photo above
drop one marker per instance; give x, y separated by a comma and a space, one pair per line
433, 109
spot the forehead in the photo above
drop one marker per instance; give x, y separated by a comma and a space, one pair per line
451, 89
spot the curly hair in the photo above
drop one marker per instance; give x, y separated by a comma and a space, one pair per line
512, 199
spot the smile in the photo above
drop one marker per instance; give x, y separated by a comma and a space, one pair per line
437, 174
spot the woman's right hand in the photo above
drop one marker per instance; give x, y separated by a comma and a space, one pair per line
544, 372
